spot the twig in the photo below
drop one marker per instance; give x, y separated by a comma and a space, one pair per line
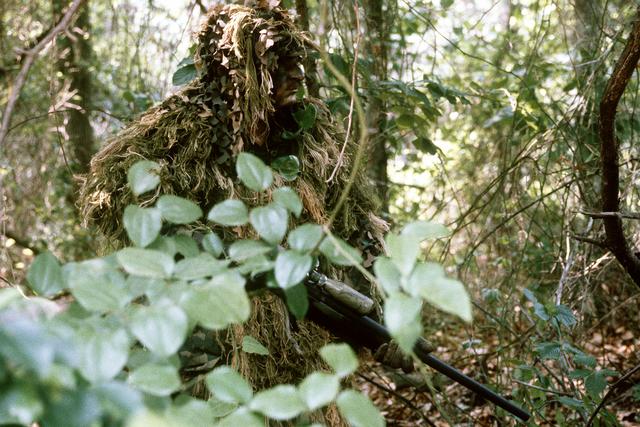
398, 395
546, 390
28, 59
354, 74
621, 215
613, 387
598, 243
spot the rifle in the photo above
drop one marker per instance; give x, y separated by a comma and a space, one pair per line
343, 311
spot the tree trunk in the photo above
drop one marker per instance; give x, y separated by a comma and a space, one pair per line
376, 50
73, 64
310, 65
616, 241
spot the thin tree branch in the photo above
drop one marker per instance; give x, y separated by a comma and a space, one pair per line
28, 60
622, 381
621, 215
624, 69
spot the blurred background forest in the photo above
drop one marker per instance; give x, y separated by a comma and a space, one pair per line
483, 116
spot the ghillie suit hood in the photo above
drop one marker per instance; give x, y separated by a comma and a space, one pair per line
196, 134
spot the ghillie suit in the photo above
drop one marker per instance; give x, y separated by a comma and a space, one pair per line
196, 134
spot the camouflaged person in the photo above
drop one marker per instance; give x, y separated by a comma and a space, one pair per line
248, 96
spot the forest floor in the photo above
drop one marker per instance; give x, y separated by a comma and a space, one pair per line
616, 348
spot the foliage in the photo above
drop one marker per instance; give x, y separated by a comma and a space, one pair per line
104, 348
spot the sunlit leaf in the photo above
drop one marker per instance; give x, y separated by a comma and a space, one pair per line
281, 402
340, 252
228, 386
305, 237
156, 379
230, 213
143, 176
291, 268
253, 172
340, 357
319, 389
146, 262
287, 198
162, 329
178, 210
270, 222
358, 410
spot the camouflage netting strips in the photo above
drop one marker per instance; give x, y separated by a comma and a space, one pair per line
195, 136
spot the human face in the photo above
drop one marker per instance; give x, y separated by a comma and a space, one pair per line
287, 80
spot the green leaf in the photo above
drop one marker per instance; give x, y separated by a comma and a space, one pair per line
297, 300
146, 418
387, 274
270, 222
401, 316
447, 294
340, 357
564, 315
242, 250
184, 75
162, 329
419, 283
252, 345
178, 210
165, 244
571, 402
339, 252
45, 274
212, 244
228, 386
203, 265
190, 412
406, 121
230, 212
143, 176
220, 302
281, 402
155, 379
291, 268
305, 237
548, 350
254, 266
425, 145
119, 399
595, 384
253, 172
242, 417
8, 296
142, 224
306, 117
221, 409
98, 289
103, 352
186, 246
319, 389
425, 230
20, 404
287, 166
358, 410
403, 251
288, 199
146, 262
446, 4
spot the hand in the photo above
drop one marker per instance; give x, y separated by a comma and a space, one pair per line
391, 355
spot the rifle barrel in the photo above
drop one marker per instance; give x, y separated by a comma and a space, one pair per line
347, 321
